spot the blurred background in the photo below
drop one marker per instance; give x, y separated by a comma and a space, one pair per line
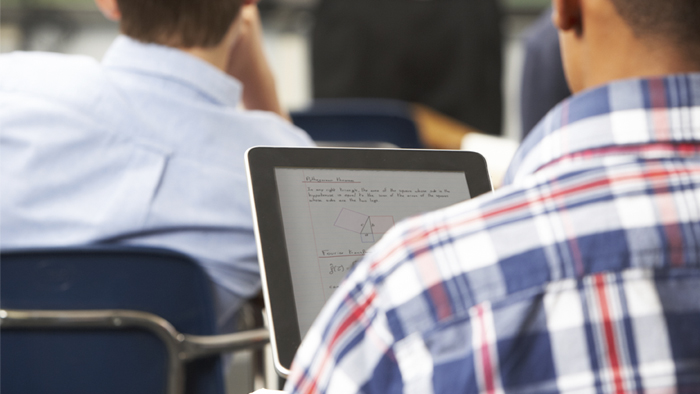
77, 27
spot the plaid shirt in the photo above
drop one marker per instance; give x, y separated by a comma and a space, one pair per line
581, 276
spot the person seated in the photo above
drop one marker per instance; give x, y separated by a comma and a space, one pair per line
146, 147
444, 55
582, 274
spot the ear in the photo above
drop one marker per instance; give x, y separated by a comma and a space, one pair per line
110, 9
566, 15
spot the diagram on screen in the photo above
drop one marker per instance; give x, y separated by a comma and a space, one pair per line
370, 228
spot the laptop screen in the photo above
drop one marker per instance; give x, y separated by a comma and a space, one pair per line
331, 217
317, 211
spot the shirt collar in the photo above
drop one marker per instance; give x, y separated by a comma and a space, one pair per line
624, 113
170, 63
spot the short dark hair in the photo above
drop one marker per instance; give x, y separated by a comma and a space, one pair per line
674, 20
178, 23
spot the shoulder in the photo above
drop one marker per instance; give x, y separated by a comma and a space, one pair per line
219, 136
51, 75
457, 226
267, 128
44, 65
561, 222
434, 267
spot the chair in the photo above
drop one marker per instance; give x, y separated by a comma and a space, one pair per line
110, 320
359, 122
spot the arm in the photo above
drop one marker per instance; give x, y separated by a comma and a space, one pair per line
248, 64
438, 131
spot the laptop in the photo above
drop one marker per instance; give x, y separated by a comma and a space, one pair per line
317, 211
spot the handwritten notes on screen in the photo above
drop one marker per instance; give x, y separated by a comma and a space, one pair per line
332, 217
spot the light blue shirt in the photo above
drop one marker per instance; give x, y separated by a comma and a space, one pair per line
146, 148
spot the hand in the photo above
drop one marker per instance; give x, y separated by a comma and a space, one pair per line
248, 64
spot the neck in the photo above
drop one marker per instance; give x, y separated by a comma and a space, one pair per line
613, 51
636, 61
216, 56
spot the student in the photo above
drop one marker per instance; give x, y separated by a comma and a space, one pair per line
146, 147
582, 275
444, 55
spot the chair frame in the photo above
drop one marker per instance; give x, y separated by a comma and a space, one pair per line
181, 348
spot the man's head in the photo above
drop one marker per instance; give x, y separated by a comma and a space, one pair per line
175, 23
604, 40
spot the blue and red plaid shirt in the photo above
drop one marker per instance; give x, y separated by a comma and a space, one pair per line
580, 276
